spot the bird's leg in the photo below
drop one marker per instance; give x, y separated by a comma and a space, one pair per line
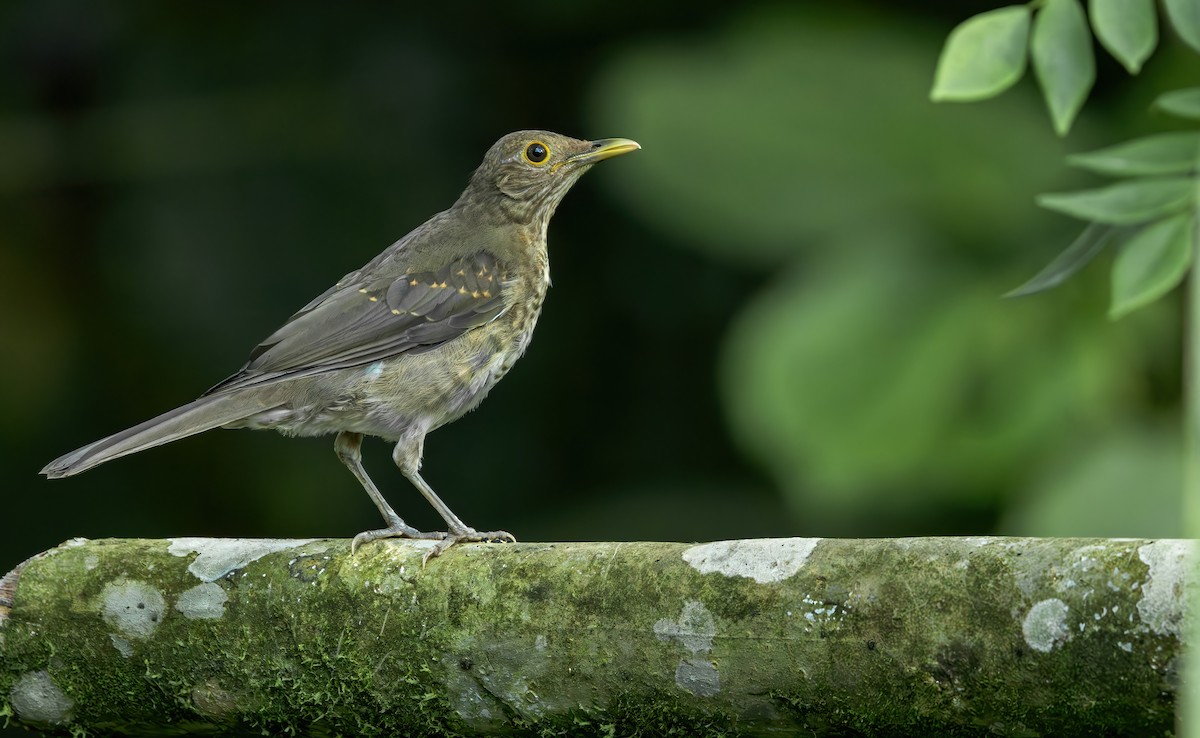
407, 456
348, 448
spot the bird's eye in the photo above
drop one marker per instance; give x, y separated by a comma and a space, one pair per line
537, 153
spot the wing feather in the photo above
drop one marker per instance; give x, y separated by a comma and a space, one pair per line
365, 319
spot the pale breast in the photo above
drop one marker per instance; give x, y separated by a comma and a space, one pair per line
439, 386
427, 389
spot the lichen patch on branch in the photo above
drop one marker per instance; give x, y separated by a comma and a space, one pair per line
219, 556
694, 630
1045, 626
37, 699
1161, 607
205, 601
764, 560
134, 608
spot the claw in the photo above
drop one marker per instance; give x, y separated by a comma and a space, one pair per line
467, 535
398, 529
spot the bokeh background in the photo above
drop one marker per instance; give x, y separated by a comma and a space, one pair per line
782, 317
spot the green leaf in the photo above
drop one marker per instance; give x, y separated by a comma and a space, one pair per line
1127, 28
983, 56
1184, 103
1165, 153
1086, 246
1151, 263
1185, 16
1124, 203
1061, 48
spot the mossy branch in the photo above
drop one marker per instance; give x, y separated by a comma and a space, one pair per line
926, 636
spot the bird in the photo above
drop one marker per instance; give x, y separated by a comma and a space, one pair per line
411, 341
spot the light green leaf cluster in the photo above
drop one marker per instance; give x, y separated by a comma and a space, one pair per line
986, 54
1155, 251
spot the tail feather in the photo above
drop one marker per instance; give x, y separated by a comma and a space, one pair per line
206, 413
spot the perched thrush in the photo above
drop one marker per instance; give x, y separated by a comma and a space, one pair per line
409, 342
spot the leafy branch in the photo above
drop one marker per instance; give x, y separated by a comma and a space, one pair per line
1151, 214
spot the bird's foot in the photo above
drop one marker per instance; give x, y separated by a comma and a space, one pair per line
397, 528
467, 535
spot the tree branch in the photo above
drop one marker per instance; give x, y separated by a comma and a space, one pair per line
925, 636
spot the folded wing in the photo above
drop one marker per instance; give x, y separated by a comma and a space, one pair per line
364, 320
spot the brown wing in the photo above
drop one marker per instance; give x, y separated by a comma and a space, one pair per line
366, 319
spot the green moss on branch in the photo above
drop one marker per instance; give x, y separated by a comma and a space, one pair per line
948, 636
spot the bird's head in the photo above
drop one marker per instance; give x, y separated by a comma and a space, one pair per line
525, 174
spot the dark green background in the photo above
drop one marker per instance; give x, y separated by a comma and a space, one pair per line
782, 317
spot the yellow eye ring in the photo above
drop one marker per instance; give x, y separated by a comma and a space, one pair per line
536, 153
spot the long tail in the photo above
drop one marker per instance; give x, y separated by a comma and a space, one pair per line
206, 413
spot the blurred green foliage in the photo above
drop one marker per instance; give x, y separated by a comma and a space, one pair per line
783, 317
877, 377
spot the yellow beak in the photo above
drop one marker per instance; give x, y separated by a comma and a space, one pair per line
604, 148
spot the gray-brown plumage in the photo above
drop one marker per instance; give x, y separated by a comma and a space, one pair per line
409, 342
